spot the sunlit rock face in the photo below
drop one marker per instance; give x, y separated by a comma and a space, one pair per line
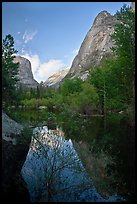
54, 173
25, 73
54, 80
96, 45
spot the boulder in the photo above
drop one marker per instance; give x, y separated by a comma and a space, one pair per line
14, 151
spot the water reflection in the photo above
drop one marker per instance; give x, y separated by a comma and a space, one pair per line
107, 153
110, 157
54, 172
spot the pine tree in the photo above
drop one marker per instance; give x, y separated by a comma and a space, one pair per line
9, 69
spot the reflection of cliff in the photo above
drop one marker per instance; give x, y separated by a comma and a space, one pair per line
96, 166
52, 165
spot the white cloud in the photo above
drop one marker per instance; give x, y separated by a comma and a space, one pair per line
18, 32
49, 68
42, 71
28, 36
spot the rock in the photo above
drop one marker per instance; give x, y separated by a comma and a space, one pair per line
25, 73
10, 127
14, 151
13, 186
96, 45
55, 79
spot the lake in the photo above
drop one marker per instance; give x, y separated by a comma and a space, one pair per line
106, 148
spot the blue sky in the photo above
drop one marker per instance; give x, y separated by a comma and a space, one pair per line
49, 34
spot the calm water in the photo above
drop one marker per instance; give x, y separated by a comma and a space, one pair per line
106, 149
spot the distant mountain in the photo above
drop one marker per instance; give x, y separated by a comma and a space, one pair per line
25, 75
54, 80
96, 45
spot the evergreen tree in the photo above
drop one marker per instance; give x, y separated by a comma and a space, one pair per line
9, 69
38, 92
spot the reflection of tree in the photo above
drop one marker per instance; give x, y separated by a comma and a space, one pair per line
96, 163
59, 164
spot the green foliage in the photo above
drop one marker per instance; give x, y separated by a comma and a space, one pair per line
71, 86
88, 95
113, 88
124, 34
124, 39
87, 100
33, 103
99, 78
38, 92
9, 69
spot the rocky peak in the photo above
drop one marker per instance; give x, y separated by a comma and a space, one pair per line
100, 17
96, 45
25, 72
54, 80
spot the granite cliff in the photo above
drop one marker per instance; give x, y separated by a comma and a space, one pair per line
96, 45
25, 75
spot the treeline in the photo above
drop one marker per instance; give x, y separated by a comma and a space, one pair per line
109, 87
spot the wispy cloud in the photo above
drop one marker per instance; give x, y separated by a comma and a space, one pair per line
18, 32
28, 36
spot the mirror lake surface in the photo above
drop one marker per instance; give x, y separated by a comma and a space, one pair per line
106, 148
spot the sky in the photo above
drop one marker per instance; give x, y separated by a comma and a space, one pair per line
50, 34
